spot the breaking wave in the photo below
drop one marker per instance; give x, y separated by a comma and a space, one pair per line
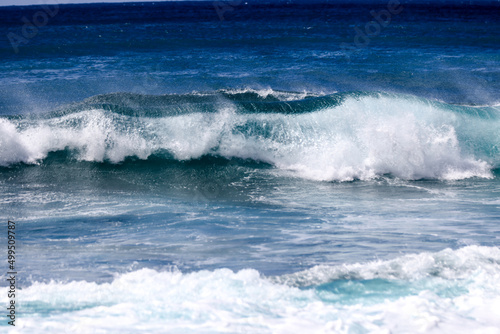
337, 137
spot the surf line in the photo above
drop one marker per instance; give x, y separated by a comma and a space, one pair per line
11, 274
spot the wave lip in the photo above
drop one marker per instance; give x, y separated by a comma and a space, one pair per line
448, 291
460, 264
338, 137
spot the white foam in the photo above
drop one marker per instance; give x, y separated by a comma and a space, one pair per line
95, 135
12, 148
266, 92
448, 264
223, 301
361, 139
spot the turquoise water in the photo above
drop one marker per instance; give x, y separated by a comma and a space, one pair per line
172, 172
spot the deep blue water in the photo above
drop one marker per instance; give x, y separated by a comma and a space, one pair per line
253, 167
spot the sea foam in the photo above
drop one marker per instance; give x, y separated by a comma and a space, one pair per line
361, 138
449, 291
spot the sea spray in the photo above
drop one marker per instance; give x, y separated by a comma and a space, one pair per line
339, 137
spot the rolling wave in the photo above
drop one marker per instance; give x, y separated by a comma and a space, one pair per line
338, 137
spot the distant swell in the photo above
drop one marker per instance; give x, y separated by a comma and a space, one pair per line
337, 137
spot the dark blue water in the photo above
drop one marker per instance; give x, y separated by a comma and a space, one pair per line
253, 167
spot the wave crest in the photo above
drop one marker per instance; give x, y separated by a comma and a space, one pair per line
336, 137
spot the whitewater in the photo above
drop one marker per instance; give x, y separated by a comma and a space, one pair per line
174, 169
448, 291
332, 138
195, 179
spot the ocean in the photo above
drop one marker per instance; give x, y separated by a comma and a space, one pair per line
250, 167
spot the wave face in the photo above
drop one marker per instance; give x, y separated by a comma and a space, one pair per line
449, 291
337, 137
